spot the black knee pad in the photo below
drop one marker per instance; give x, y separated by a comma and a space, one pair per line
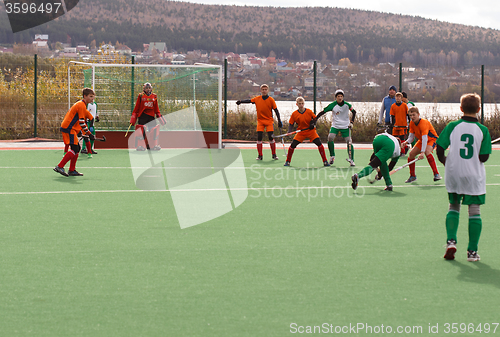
294, 143
375, 162
76, 148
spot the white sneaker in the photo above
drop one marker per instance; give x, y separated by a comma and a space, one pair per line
332, 159
350, 161
472, 256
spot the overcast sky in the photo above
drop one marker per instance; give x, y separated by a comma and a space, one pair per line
482, 13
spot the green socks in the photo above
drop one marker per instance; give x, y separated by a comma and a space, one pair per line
452, 225
366, 171
475, 226
331, 148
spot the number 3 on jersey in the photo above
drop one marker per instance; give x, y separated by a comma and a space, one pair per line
468, 151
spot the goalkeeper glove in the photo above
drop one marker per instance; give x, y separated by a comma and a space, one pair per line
161, 119
133, 119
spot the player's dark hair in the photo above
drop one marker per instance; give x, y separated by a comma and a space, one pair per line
470, 103
88, 91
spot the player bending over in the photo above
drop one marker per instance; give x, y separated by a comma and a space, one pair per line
465, 175
145, 111
423, 130
72, 124
265, 106
340, 123
305, 119
385, 147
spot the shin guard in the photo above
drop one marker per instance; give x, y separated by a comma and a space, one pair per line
140, 136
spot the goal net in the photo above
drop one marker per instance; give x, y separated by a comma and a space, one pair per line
189, 96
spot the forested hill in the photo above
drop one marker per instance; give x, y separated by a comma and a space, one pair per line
293, 33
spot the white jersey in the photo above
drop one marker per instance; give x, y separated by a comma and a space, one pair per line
464, 172
92, 108
340, 114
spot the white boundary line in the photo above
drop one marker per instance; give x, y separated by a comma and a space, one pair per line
224, 189
251, 167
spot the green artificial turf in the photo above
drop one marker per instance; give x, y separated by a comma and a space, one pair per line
95, 256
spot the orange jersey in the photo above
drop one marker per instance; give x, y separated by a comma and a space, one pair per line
146, 104
400, 113
424, 127
74, 120
264, 107
302, 119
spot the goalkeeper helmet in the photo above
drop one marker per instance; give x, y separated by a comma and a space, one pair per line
148, 89
339, 92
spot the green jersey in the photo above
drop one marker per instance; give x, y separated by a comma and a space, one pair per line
464, 172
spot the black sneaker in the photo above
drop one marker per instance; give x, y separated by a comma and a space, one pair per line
287, 163
275, 157
472, 256
325, 163
93, 152
259, 158
355, 180
388, 188
75, 173
451, 248
83, 151
60, 170
437, 177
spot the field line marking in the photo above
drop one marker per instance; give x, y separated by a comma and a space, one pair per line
199, 168
224, 189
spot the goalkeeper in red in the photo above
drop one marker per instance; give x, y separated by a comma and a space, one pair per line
265, 106
469, 145
74, 123
305, 120
145, 111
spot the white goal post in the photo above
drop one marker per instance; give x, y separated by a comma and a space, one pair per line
189, 96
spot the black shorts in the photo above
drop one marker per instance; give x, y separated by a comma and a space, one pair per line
145, 119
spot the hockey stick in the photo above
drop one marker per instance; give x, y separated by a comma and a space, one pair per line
103, 139
283, 142
349, 146
403, 166
372, 181
290, 133
495, 140
126, 133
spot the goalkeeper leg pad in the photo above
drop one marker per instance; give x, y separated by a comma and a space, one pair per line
140, 142
154, 138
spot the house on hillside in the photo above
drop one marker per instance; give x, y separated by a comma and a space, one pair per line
41, 42
124, 50
421, 83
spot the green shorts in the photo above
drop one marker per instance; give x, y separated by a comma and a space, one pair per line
467, 199
343, 132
